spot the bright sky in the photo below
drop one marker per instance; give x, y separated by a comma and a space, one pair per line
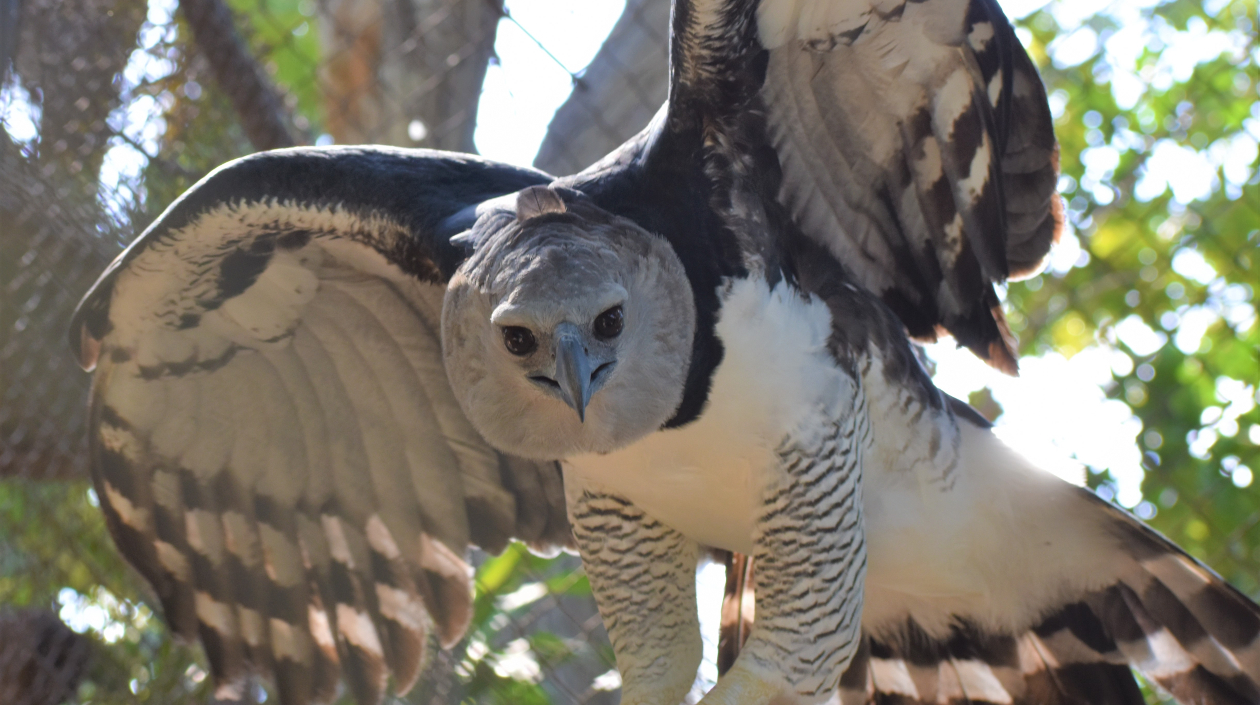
1056, 412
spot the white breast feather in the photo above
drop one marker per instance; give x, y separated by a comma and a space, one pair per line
776, 375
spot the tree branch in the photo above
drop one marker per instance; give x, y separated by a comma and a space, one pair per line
616, 95
257, 103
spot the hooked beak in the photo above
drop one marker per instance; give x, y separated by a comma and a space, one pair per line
573, 374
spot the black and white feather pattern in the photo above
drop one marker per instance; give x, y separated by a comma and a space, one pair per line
651, 567
916, 144
913, 140
990, 580
1167, 616
275, 442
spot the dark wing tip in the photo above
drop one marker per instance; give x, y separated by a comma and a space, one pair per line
452, 590
986, 333
1031, 169
1027, 257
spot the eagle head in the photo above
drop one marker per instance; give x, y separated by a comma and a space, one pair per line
568, 330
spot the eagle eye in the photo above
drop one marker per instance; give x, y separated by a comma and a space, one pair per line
519, 341
609, 323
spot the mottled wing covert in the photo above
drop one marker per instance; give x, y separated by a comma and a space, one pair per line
274, 441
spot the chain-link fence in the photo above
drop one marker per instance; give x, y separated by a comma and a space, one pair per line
41, 660
112, 108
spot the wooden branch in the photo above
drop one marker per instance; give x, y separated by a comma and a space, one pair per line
617, 94
255, 99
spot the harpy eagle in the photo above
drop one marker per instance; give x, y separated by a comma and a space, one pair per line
323, 373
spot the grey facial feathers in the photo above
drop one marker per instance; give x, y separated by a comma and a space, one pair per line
563, 269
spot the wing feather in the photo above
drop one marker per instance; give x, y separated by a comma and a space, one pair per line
275, 444
913, 141
916, 144
1091, 595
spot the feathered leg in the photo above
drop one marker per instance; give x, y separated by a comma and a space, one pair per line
810, 553
643, 576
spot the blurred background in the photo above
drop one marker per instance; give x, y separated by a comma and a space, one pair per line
1140, 339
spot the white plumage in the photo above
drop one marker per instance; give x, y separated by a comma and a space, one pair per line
775, 380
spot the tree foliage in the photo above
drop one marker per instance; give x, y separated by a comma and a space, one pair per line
1158, 120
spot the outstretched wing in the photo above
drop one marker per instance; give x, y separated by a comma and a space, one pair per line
1044, 595
274, 441
914, 141
1167, 616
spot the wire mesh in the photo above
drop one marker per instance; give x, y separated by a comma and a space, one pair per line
112, 108
41, 660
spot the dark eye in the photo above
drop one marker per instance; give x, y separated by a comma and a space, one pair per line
609, 323
519, 341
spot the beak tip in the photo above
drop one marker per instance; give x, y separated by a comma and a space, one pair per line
573, 375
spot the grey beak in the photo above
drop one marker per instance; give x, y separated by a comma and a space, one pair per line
573, 373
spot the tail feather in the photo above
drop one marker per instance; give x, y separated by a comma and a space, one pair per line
737, 609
